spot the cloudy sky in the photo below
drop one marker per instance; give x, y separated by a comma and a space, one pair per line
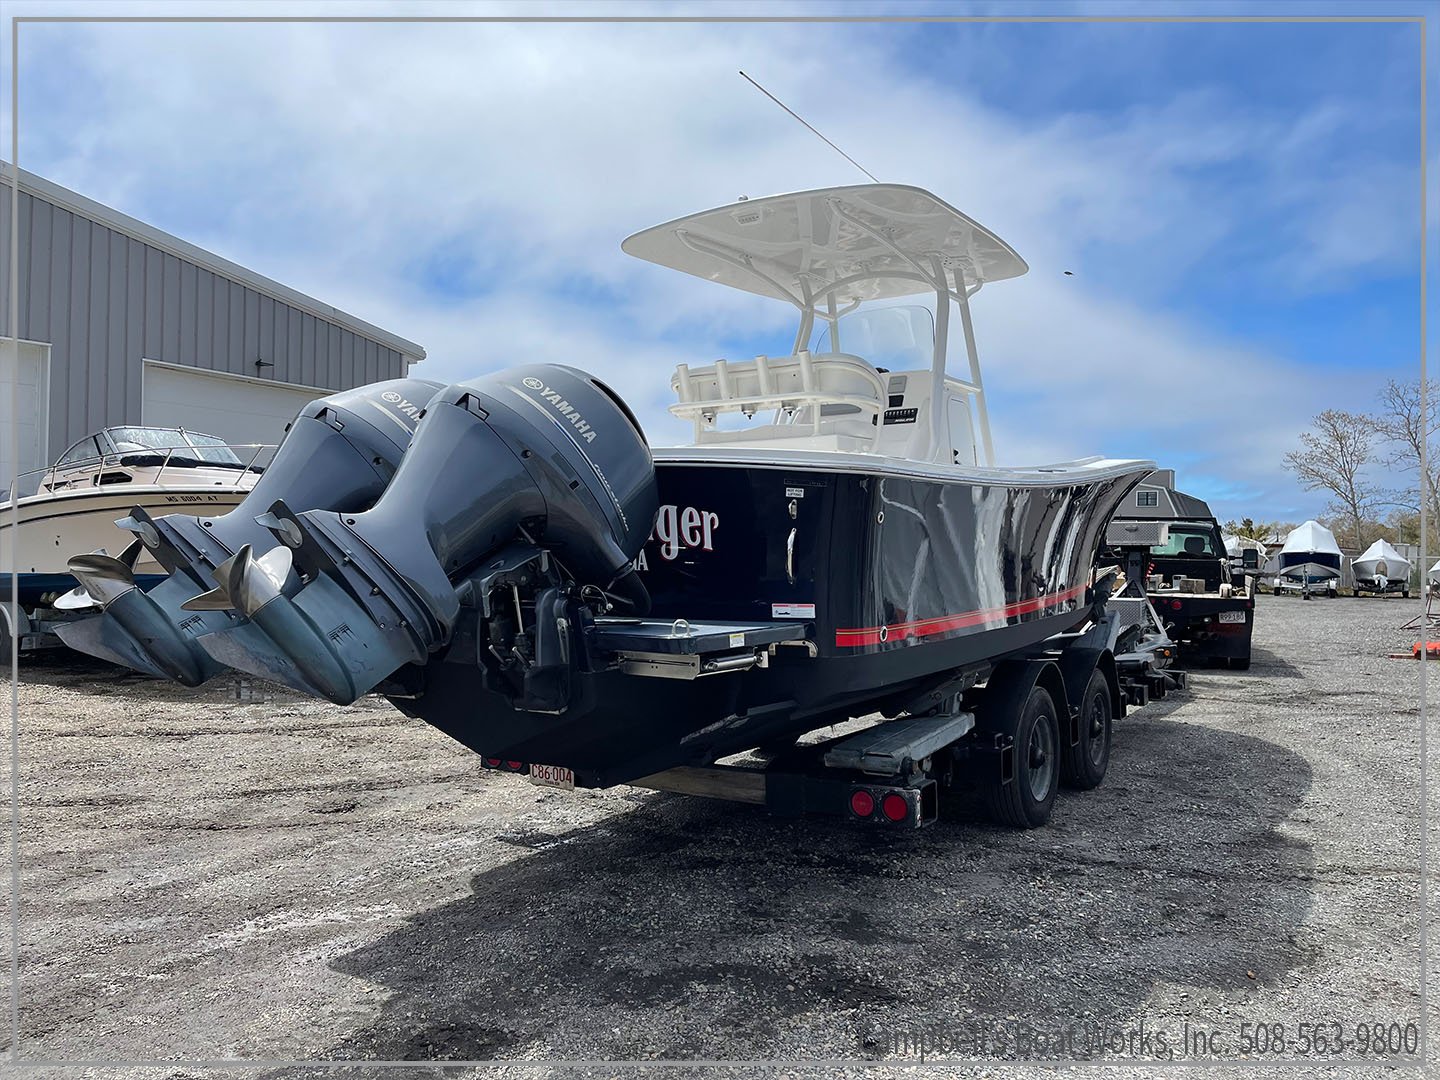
1238, 203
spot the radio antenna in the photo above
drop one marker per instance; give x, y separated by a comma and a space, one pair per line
802, 120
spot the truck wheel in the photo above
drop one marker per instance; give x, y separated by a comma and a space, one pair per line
1026, 801
1240, 663
1083, 765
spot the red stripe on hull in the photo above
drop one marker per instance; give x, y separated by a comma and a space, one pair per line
943, 624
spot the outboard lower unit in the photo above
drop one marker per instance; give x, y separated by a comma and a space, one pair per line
513, 519
339, 454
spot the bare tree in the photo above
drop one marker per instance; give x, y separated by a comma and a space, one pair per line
1408, 429
1333, 458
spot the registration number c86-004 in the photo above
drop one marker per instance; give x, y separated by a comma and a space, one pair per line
1232, 616
552, 776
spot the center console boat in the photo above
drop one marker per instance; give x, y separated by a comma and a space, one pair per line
544, 587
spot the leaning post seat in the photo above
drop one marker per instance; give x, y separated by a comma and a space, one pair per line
794, 386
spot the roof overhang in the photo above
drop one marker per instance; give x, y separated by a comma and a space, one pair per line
864, 242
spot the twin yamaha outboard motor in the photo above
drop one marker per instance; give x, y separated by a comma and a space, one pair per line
512, 519
338, 454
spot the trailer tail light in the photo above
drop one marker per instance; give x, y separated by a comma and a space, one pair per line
862, 803
1175, 605
493, 762
514, 766
895, 807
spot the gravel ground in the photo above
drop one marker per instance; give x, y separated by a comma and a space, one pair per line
209, 878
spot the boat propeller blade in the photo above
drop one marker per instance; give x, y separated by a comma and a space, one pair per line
131, 629
103, 578
286, 528
217, 599
139, 523
244, 583
77, 599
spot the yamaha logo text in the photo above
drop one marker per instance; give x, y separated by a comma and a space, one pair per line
563, 407
409, 408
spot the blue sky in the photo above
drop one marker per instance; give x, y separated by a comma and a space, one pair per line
1239, 203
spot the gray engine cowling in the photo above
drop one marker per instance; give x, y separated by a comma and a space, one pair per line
540, 463
339, 453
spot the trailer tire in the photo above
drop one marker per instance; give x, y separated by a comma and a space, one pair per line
1083, 765
1026, 801
1239, 663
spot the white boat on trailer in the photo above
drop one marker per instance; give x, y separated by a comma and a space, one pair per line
1381, 570
1308, 562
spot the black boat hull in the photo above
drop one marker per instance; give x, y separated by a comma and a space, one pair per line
901, 581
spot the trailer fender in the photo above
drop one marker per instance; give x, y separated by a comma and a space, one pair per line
1008, 687
1077, 664
22, 626
1112, 679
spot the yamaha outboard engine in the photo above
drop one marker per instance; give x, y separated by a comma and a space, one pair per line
533, 480
338, 454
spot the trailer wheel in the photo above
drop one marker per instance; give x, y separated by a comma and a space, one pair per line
1239, 663
1083, 765
1026, 801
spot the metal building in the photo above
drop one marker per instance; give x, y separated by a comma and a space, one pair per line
121, 323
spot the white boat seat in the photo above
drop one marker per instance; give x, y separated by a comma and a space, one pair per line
829, 393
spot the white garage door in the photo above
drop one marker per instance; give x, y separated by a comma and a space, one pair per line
230, 407
28, 414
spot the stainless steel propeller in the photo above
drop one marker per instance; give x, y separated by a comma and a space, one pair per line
103, 578
245, 583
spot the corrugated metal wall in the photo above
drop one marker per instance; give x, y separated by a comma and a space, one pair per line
106, 301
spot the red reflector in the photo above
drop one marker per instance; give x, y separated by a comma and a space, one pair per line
513, 765
493, 762
863, 803
895, 807
1175, 604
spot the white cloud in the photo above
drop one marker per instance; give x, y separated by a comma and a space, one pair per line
344, 159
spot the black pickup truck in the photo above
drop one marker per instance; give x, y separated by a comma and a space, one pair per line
1208, 609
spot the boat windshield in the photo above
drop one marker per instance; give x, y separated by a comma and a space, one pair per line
899, 338
183, 447
1196, 541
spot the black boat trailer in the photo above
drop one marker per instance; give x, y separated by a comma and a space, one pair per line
1014, 730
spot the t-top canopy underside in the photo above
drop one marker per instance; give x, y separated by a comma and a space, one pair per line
864, 242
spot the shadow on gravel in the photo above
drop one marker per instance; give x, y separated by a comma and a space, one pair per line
1265, 662
65, 667
695, 929
1262, 662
